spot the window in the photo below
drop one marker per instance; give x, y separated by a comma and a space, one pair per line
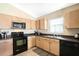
56, 25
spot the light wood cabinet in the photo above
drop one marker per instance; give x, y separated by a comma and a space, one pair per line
28, 24
31, 42
37, 24
42, 43
45, 44
32, 23
50, 45
38, 41
72, 19
5, 21
54, 46
43, 23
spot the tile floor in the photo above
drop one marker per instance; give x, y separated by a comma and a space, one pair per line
35, 52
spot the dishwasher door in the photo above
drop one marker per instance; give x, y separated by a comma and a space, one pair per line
69, 48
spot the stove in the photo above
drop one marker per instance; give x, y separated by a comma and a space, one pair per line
19, 42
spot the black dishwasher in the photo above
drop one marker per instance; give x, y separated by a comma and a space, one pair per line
19, 42
68, 48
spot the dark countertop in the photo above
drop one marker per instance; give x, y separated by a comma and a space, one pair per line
58, 37
62, 38
51, 36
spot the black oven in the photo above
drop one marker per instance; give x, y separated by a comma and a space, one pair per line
19, 42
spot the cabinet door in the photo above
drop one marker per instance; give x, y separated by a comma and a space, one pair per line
37, 24
38, 42
43, 23
72, 19
66, 20
32, 24
5, 21
28, 24
54, 46
31, 42
46, 44
41, 42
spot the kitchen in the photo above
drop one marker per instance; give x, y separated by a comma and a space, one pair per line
52, 34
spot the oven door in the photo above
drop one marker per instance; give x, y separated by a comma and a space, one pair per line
19, 45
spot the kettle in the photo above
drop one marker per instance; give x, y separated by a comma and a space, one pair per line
76, 35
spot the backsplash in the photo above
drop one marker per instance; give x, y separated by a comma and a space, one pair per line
66, 31
45, 31
71, 31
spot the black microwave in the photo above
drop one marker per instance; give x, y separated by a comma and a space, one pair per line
17, 25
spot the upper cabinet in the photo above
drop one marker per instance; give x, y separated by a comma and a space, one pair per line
72, 19
37, 24
30, 24
41, 23
5, 21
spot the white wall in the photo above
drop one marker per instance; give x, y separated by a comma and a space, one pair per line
8, 9
60, 13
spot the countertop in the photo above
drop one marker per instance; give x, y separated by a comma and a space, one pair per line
59, 37
62, 38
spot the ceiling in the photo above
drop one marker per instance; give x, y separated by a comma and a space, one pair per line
39, 9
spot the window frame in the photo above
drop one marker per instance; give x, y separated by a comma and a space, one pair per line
57, 24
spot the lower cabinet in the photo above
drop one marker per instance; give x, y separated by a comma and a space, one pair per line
31, 42
50, 45
54, 47
38, 42
44, 42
